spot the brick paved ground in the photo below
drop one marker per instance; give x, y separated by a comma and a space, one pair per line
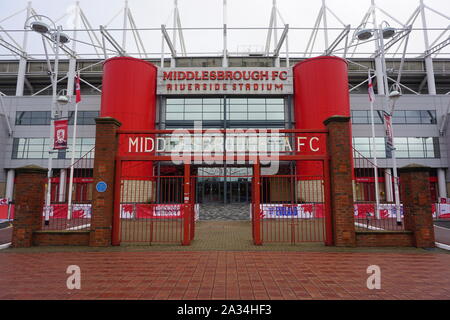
224, 275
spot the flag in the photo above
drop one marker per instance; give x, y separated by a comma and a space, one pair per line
77, 89
370, 87
389, 134
60, 135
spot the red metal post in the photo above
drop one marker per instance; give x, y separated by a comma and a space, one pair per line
193, 190
115, 241
257, 204
187, 205
327, 204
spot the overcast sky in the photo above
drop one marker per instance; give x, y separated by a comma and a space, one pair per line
208, 13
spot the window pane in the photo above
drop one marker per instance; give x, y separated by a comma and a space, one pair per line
175, 108
256, 116
238, 116
212, 116
275, 116
192, 116
193, 101
174, 101
212, 101
174, 116
237, 108
275, 101
275, 108
193, 108
256, 108
236, 101
256, 101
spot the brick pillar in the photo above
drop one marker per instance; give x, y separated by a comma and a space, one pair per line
29, 202
416, 199
104, 168
341, 166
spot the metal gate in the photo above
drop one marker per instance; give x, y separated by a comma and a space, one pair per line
291, 208
152, 209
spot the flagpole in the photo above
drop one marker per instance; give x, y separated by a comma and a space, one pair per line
374, 149
72, 159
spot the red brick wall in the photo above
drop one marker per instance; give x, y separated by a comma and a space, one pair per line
384, 239
416, 199
104, 170
61, 238
29, 202
341, 166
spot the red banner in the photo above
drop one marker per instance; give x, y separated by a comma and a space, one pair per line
77, 89
60, 135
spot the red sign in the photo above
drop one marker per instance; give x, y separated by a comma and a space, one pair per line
60, 134
224, 80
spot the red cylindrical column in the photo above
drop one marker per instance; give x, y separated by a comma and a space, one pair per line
320, 91
129, 92
129, 95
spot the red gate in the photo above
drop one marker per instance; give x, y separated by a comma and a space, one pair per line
291, 208
149, 208
152, 208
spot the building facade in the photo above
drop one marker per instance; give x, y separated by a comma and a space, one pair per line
420, 122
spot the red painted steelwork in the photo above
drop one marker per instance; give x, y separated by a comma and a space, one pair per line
320, 91
129, 95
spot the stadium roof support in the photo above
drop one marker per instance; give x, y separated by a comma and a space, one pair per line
107, 41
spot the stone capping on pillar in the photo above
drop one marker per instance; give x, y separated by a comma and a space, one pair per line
29, 202
341, 183
31, 169
336, 118
107, 120
106, 143
416, 199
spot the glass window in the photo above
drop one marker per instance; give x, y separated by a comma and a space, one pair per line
428, 116
279, 101
238, 109
174, 116
32, 117
236, 101
212, 101
256, 108
212, 116
175, 101
275, 108
175, 108
257, 116
193, 116
238, 116
83, 117
365, 117
412, 116
193, 101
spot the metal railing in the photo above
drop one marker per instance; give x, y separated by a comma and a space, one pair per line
58, 216
367, 217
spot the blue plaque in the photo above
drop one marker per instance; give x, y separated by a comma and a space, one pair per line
101, 186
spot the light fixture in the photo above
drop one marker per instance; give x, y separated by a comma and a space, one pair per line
62, 98
39, 27
388, 32
394, 95
395, 92
63, 38
364, 34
